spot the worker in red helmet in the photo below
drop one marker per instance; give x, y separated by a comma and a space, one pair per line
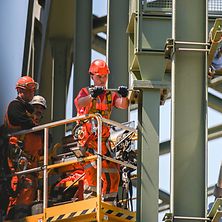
33, 146
19, 116
99, 100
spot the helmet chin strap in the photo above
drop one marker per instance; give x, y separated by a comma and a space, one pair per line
21, 96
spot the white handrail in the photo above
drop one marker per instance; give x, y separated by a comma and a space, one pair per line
53, 124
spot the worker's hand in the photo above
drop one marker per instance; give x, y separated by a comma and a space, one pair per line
123, 91
96, 91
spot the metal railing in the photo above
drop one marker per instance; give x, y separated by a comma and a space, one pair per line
46, 168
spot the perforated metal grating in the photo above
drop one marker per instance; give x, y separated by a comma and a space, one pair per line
167, 4
214, 6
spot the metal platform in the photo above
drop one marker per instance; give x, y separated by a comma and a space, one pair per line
82, 211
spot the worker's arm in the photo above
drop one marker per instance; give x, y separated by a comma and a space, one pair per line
20, 114
84, 101
122, 102
85, 98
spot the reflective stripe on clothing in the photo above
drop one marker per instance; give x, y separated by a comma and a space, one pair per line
89, 165
110, 176
89, 188
110, 170
103, 104
108, 195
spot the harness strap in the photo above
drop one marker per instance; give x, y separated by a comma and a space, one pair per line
104, 113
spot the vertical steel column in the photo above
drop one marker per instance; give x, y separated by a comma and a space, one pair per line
60, 53
189, 111
148, 143
149, 59
147, 63
117, 49
82, 40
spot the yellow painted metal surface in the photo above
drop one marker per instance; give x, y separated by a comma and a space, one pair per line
215, 39
82, 211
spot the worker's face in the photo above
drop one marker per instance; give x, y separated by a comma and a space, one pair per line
26, 94
100, 80
38, 112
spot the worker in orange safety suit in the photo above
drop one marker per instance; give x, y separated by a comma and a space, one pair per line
19, 116
33, 142
32, 145
99, 100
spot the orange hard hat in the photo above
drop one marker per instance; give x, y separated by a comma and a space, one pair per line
26, 82
99, 67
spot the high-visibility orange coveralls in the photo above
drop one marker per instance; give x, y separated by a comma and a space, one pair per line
26, 184
103, 104
33, 144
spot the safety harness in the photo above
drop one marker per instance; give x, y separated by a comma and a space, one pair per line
102, 106
16, 152
97, 102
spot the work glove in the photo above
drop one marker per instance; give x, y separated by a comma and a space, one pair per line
96, 91
123, 91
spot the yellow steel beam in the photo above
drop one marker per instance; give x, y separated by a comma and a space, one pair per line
215, 210
215, 39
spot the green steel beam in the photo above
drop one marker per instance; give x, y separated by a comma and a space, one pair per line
147, 63
117, 49
189, 111
82, 51
214, 102
99, 24
213, 133
61, 49
99, 44
148, 156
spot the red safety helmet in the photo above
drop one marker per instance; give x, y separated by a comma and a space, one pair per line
26, 82
13, 140
99, 67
